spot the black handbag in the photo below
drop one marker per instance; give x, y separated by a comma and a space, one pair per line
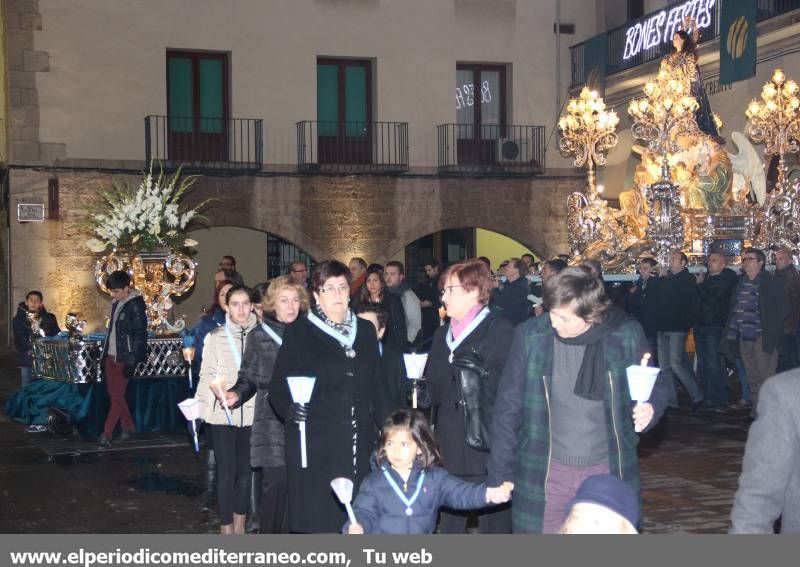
473, 381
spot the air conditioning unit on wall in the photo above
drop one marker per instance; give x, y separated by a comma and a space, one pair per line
512, 150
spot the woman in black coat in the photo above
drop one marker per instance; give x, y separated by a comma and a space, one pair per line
374, 292
283, 301
472, 347
341, 352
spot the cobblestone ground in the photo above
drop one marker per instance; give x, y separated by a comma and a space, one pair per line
690, 468
690, 465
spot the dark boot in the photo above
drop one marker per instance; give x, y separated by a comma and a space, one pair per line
253, 517
209, 501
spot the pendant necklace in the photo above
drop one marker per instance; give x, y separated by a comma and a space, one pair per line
407, 501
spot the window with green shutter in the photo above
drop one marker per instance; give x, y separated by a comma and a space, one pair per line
197, 105
344, 110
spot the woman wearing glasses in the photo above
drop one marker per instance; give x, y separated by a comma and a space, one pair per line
341, 351
466, 360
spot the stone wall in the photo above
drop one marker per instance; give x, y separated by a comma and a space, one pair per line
328, 217
24, 63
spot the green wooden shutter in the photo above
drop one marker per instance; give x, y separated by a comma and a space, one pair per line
211, 96
327, 99
180, 109
355, 107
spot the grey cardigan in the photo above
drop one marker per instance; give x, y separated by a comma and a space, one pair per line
769, 486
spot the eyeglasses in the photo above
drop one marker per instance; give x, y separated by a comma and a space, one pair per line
748, 258
344, 288
449, 288
300, 270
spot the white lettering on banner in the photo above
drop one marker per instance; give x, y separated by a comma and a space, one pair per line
661, 26
715, 87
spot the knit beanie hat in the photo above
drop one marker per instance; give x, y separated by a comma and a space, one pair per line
607, 490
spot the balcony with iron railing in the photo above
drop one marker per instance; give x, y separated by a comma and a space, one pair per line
501, 150
618, 60
198, 143
352, 147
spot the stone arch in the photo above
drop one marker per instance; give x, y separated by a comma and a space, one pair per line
528, 238
298, 238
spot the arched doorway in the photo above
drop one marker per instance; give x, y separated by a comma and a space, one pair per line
454, 245
259, 256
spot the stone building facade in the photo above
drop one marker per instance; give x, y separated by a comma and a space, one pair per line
76, 104
329, 217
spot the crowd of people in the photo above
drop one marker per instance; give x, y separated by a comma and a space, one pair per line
453, 463
526, 422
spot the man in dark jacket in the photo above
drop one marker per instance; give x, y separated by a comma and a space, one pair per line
755, 323
715, 296
677, 304
641, 302
124, 348
430, 302
787, 273
512, 298
41, 323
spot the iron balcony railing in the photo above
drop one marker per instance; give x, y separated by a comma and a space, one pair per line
615, 41
195, 142
352, 147
491, 149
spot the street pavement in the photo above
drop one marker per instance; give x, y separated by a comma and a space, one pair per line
155, 484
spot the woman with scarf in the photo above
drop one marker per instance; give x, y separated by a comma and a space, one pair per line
282, 302
563, 409
223, 350
468, 353
341, 421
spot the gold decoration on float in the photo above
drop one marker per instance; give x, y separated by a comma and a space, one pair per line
775, 122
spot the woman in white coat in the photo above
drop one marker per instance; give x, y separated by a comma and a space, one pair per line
222, 357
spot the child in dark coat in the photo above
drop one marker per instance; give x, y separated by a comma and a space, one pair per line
404, 494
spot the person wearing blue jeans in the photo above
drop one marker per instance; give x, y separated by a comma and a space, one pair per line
706, 342
678, 304
672, 358
714, 290
744, 402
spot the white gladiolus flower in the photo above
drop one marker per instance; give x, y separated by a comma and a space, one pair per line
95, 245
190, 242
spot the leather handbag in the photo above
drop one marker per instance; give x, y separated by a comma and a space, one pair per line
473, 379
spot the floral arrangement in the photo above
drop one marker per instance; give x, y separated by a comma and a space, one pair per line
145, 218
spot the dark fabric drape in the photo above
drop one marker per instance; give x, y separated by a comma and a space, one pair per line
153, 403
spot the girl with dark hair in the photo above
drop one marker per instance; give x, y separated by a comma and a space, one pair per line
347, 405
467, 358
230, 431
408, 457
374, 292
563, 409
683, 63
